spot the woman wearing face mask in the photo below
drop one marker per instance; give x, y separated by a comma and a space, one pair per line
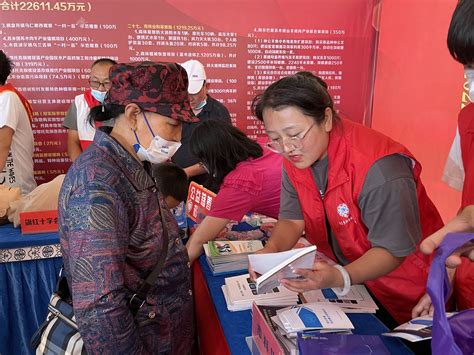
79, 132
246, 174
111, 226
355, 192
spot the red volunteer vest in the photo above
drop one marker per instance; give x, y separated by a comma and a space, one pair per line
466, 133
352, 150
464, 278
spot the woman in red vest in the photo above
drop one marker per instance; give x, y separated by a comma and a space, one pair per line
356, 194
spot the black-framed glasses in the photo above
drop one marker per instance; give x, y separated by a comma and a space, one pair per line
290, 143
96, 84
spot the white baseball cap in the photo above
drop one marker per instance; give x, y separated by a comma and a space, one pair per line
196, 75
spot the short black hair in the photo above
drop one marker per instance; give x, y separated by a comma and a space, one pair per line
171, 180
303, 90
220, 147
6, 66
104, 61
461, 33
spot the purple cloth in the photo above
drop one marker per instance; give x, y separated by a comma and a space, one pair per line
111, 237
456, 336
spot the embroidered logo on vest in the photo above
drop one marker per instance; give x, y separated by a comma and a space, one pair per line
343, 210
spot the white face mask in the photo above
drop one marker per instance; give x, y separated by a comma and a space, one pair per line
159, 151
98, 95
469, 73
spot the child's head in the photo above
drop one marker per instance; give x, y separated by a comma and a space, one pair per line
172, 182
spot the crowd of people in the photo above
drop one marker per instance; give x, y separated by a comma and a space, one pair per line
143, 130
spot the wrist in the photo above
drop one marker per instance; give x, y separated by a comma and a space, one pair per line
346, 281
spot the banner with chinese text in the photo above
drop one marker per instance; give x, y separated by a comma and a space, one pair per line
245, 45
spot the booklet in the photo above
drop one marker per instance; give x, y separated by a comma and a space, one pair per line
314, 316
276, 266
415, 330
358, 300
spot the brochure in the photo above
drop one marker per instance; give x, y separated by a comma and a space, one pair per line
417, 329
314, 316
358, 300
276, 266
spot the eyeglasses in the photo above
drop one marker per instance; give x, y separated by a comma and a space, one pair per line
292, 143
95, 84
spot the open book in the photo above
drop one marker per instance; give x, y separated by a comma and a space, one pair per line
276, 266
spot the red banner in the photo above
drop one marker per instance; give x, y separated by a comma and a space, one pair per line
245, 45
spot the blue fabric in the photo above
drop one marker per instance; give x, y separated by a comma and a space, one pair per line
238, 325
11, 237
25, 289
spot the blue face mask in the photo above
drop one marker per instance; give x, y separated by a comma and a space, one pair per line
99, 95
201, 105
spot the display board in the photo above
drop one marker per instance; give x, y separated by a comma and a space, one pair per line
245, 46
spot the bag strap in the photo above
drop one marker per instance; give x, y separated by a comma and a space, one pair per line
138, 299
439, 288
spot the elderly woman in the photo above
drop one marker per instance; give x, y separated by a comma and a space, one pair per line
111, 229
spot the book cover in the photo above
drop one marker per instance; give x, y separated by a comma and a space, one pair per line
340, 344
417, 329
223, 249
314, 316
358, 299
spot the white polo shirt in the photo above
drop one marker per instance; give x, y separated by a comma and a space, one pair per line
18, 170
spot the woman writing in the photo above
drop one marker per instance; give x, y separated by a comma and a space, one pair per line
247, 176
355, 192
111, 228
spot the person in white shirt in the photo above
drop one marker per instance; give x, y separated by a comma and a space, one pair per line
16, 134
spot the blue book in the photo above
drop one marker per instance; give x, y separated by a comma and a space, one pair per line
340, 344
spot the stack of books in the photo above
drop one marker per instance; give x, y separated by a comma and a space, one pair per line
358, 300
240, 292
225, 256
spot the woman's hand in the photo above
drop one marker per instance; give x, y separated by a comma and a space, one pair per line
464, 222
424, 307
321, 276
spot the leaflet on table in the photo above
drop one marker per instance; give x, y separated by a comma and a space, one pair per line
314, 316
358, 300
415, 330
276, 266
340, 344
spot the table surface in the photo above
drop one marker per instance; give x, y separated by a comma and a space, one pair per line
11, 237
238, 325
